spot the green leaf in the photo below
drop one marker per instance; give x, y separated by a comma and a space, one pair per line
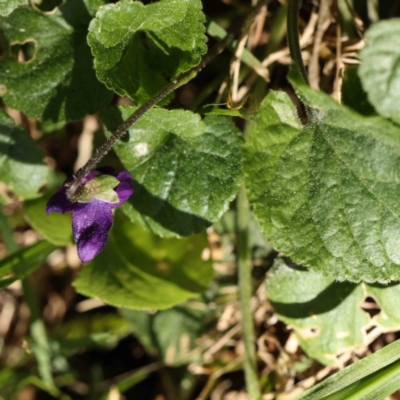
7, 6
21, 162
372, 378
387, 296
170, 334
309, 302
380, 67
353, 94
139, 49
138, 270
23, 262
326, 194
186, 171
55, 227
56, 82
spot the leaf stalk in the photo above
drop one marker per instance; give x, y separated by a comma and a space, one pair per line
293, 36
245, 292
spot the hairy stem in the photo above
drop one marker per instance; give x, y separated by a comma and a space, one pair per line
244, 264
176, 83
293, 36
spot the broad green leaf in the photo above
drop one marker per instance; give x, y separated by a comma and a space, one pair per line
387, 296
372, 378
55, 227
380, 67
309, 302
47, 68
23, 262
21, 162
139, 49
326, 194
186, 171
138, 270
7, 6
170, 334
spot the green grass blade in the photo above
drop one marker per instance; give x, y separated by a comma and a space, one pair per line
373, 377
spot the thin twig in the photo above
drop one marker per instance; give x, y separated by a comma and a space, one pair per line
176, 83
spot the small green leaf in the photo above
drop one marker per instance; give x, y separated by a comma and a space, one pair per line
138, 270
372, 378
101, 187
55, 227
170, 334
310, 302
326, 194
47, 69
8, 6
380, 67
139, 49
23, 262
186, 170
21, 162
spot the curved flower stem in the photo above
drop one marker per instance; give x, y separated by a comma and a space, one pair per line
293, 36
176, 83
244, 263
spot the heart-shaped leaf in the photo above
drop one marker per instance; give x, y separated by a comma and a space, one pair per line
47, 68
139, 270
310, 302
139, 49
186, 170
327, 193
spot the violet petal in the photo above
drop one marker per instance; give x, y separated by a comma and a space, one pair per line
125, 188
59, 202
90, 225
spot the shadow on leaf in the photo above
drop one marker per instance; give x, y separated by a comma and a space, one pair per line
163, 213
325, 301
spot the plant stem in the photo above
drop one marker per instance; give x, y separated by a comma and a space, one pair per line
244, 264
176, 83
293, 36
40, 345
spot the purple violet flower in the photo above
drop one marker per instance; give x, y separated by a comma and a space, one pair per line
102, 190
